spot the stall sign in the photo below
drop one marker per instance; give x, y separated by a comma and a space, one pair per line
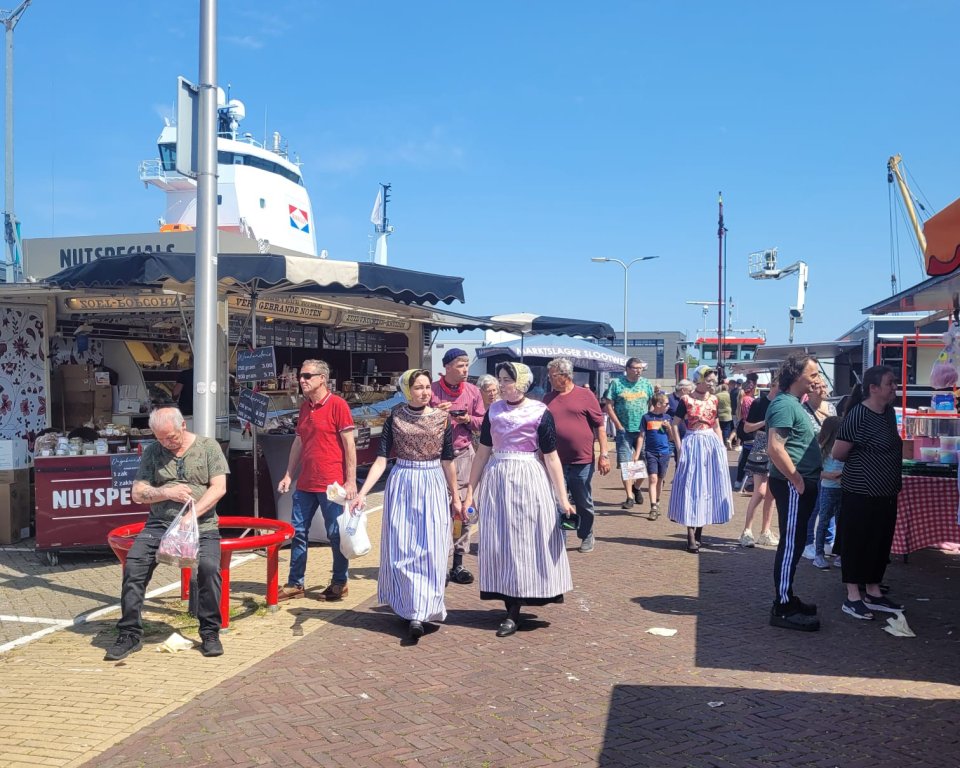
285, 309
256, 364
253, 407
146, 302
123, 469
351, 317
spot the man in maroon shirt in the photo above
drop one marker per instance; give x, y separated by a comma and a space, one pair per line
464, 404
326, 453
576, 413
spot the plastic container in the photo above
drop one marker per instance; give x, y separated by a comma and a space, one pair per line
948, 457
929, 454
948, 443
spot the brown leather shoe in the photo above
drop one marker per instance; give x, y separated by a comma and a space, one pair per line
289, 592
334, 592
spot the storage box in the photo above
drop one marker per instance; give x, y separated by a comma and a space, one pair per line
126, 405
14, 454
8, 476
14, 511
76, 378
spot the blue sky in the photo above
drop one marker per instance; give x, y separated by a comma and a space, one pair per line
523, 138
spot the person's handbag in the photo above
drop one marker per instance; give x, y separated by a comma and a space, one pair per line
758, 460
633, 470
354, 541
180, 545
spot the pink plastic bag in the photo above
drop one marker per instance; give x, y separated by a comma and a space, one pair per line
180, 545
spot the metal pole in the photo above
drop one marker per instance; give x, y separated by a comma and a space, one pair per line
9, 221
205, 360
720, 231
626, 271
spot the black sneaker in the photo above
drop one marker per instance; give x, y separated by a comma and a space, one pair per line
882, 603
857, 609
807, 609
460, 575
628, 504
787, 619
637, 495
211, 646
123, 646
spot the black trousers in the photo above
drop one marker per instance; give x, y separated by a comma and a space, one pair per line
142, 562
742, 461
793, 513
865, 531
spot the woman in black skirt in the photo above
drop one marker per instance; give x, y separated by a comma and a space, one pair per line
871, 447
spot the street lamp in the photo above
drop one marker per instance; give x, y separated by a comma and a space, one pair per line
626, 268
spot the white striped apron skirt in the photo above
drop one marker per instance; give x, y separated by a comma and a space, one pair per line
415, 541
521, 545
701, 493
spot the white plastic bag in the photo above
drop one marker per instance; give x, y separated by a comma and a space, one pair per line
633, 470
354, 541
180, 545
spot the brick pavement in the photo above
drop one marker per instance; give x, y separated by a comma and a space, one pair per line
583, 684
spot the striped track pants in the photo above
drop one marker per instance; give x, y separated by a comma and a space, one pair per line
793, 512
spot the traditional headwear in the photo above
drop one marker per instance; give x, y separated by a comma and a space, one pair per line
453, 354
406, 382
521, 374
702, 371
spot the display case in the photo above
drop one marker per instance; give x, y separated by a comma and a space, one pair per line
931, 438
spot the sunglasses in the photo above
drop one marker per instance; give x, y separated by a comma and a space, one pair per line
308, 376
181, 472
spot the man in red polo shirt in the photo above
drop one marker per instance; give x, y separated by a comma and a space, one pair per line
579, 422
325, 451
464, 403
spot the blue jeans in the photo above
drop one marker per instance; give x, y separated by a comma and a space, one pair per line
626, 443
812, 523
305, 505
578, 478
829, 508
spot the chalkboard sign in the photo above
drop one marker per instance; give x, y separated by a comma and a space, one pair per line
123, 469
253, 407
256, 364
362, 438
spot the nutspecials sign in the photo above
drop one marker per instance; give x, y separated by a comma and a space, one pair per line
288, 308
45, 256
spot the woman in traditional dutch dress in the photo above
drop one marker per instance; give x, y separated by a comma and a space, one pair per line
523, 560
421, 491
701, 493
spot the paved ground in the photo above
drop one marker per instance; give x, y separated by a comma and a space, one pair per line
583, 684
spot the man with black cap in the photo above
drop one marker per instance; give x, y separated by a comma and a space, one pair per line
464, 404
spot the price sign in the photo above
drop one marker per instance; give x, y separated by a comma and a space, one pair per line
256, 364
362, 438
123, 469
253, 407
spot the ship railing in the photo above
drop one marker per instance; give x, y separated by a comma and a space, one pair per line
153, 170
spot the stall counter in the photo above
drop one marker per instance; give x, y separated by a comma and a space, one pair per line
77, 505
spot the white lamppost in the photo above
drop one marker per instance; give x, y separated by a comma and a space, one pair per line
626, 269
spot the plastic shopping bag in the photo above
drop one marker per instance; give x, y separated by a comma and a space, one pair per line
354, 541
633, 470
180, 545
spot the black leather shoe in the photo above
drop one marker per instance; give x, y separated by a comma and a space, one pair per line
416, 630
807, 609
507, 628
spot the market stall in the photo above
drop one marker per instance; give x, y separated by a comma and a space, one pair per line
368, 322
928, 510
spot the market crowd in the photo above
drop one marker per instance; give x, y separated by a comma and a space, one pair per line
488, 456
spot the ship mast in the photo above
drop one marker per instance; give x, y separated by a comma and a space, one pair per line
378, 217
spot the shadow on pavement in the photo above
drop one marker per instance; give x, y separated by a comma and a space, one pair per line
706, 727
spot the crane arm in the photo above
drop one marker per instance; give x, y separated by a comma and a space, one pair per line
894, 174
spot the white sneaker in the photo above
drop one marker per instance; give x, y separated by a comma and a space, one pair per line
747, 540
768, 539
809, 552
836, 562
821, 563
827, 550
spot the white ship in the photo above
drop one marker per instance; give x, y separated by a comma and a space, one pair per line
260, 191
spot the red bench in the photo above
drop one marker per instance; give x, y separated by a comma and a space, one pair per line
279, 532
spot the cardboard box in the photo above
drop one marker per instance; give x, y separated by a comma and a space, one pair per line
76, 378
13, 476
14, 511
14, 454
103, 399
